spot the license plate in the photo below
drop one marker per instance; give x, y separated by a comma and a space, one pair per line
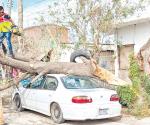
103, 111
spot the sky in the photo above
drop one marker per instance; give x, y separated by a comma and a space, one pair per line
26, 3
32, 10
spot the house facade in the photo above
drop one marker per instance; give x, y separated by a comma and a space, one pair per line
135, 32
134, 37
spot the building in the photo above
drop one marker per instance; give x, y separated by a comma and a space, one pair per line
42, 38
36, 33
133, 36
134, 32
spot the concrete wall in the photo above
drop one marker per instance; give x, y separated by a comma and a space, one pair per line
137, 34
36, 33
106, 60
124, 52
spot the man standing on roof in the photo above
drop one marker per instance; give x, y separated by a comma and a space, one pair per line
6, 25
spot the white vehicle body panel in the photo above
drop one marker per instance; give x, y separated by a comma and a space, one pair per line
40, 101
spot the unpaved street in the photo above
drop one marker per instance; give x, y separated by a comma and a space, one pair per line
32, 118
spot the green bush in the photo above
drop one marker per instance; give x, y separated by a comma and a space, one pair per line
127, 95
136, 83
134, 69
136, 96
146, 83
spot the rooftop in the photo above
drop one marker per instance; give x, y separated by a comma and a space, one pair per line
133, 22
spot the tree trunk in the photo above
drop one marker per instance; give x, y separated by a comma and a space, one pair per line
51, 67
88, 68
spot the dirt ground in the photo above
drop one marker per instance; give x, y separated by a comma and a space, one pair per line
28, 117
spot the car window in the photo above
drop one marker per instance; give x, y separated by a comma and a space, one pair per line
38, 84
50, 83
26, 80
79, 82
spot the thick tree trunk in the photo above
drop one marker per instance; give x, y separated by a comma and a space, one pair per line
34, 65
88, 68
51, 67
31, 67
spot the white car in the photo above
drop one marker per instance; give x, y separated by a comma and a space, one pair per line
67, 97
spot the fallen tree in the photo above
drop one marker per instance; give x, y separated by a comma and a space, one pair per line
89, 67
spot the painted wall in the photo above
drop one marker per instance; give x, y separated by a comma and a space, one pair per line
124, 52
137, 34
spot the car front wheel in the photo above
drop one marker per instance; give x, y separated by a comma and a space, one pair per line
17, 103
56, 113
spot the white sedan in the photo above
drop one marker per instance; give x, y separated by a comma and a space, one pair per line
67, 97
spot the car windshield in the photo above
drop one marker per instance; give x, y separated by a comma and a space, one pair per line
79, 82
26, 80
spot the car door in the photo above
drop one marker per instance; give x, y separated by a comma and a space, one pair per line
44, 96
25, 91
29, 94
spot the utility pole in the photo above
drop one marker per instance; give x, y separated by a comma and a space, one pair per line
9, 5
20, 23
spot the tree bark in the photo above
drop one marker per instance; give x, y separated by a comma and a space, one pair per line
88, 68
51, 67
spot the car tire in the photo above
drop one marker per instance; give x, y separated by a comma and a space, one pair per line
17, 103
56, 113
79, 53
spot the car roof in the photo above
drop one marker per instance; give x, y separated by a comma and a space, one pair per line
56, 75
60, 75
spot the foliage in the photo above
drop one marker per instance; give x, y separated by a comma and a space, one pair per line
91, 20
146, 83
136, 84
140, 110
137, 96
134, 69
127, 95
140, 107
